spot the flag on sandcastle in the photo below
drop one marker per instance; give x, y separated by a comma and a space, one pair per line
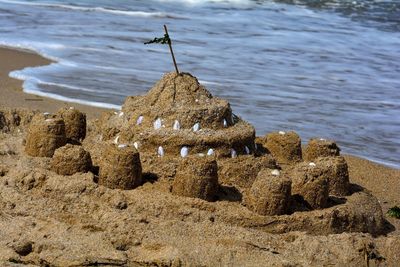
165, 40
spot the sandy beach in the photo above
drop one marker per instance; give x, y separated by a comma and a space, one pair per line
150, 243
11, 89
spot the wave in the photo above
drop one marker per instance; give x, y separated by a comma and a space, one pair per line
30, 87
96, 9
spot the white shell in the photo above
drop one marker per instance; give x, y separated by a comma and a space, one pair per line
115, 113
276, 172
225, 123
233, 153
122, 146
210, 152
196, 127
312, 164
247, 150
116, 139
157, 124
120, 114
196, 100
71, 107
46, 113
177, 125
201, 154
282, 133
139, 120
136, 145
184, 151
160, 151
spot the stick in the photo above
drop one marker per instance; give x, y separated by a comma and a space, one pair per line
170, 49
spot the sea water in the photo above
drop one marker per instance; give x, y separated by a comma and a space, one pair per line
323, 68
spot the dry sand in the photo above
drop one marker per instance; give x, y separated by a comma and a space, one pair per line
48, 219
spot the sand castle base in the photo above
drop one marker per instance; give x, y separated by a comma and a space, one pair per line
120, 167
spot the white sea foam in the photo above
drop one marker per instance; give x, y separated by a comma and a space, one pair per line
96, 9
31, 88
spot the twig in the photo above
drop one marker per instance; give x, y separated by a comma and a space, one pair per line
170, 48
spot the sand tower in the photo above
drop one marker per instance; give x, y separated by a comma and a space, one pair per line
120, 167
319, 147
284, 146
71, 159
45, 135
336, 169
75, 123
311, 182
270, 193
179, 112
197, 178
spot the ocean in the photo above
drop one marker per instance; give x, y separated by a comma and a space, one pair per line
323, 68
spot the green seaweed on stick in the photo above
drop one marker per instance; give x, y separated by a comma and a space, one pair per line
165, 40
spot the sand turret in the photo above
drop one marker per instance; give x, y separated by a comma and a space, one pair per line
197, 178
120, 167
284, 146
320, 147
45, 135
71, 159
270, 193
75, 123
311, 182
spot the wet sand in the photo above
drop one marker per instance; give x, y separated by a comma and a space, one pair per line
11, 89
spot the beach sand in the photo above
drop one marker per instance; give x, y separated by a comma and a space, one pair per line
11, 89
52, 213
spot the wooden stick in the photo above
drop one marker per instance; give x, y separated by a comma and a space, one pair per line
170, 49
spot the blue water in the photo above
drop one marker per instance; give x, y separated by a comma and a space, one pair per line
327, 68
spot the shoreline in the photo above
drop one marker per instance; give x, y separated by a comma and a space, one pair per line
12, 94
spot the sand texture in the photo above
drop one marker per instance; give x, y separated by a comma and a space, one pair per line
233, 205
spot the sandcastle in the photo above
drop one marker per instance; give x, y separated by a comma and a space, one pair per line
270, 193
75, 123
178, 134
284, 146
197, 177
320, 147
71, 159
120, 167
45, 135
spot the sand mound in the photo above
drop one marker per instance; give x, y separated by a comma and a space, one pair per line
70, 159
179, 112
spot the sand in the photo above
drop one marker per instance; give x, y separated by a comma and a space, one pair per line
11, 89
48, 219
